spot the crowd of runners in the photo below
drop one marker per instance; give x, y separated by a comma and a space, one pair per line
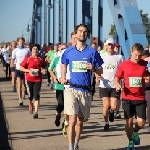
73, 71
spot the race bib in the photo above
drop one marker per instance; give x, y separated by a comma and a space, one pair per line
110, 67
135, 81
35, 72
79, 66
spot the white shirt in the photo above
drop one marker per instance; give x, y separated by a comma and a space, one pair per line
19, 55
59, 68
3, 50
110, 66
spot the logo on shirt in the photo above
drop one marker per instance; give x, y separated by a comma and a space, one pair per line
135, 81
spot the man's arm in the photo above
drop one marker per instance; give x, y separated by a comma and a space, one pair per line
118, 77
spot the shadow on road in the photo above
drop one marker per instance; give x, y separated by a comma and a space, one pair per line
4, 139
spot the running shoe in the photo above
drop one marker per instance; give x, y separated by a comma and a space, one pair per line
136, 138
111, 116
106, 127
118, 116
85, 120
57, 120
14, 89
131, 145
64, 129
35, 116
76, 147
20, 102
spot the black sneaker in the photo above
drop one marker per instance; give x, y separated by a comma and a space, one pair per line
35, 116
106, 127
111, 116
118, 116
57, 120
21, 103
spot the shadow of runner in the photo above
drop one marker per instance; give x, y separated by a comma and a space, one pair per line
4, 140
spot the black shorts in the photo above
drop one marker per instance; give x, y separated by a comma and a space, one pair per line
19, 74
60, 96
136, 107
109, 92
13, 69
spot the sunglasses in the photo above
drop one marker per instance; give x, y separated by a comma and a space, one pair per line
63, 48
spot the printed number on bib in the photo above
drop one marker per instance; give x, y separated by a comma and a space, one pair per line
135, 81
35, 72
110, 67
79, 66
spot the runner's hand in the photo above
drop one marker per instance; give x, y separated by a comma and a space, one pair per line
118, 87
89, 66
43, 71
147, 79
63, 80
31, 73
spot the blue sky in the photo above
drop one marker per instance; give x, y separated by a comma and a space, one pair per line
15, 14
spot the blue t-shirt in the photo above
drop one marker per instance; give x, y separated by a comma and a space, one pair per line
77, 61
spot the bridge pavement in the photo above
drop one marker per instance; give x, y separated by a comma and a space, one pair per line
26, 133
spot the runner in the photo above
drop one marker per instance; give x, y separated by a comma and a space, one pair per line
107, 89
134, 73
32, 65
13, 69
82, 60
49, 58
18, 55
54, 67
7, 63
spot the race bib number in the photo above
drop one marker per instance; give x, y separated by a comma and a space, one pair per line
110, 67
79, 66
135, 81
35, 72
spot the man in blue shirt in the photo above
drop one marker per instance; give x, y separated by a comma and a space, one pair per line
83, 60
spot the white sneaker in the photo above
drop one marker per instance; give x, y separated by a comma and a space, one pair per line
148, 129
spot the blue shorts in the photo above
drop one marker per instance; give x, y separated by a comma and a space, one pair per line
19, 74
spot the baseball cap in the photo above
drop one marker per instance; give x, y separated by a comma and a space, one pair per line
117, 44
111, 41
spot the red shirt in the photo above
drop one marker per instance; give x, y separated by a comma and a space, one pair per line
134, 82
33, 63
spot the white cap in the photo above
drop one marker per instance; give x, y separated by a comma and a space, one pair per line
111, 41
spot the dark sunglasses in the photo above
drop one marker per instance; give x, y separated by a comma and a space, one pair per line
63, 48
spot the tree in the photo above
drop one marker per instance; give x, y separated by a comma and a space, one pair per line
113, 31
146, 23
